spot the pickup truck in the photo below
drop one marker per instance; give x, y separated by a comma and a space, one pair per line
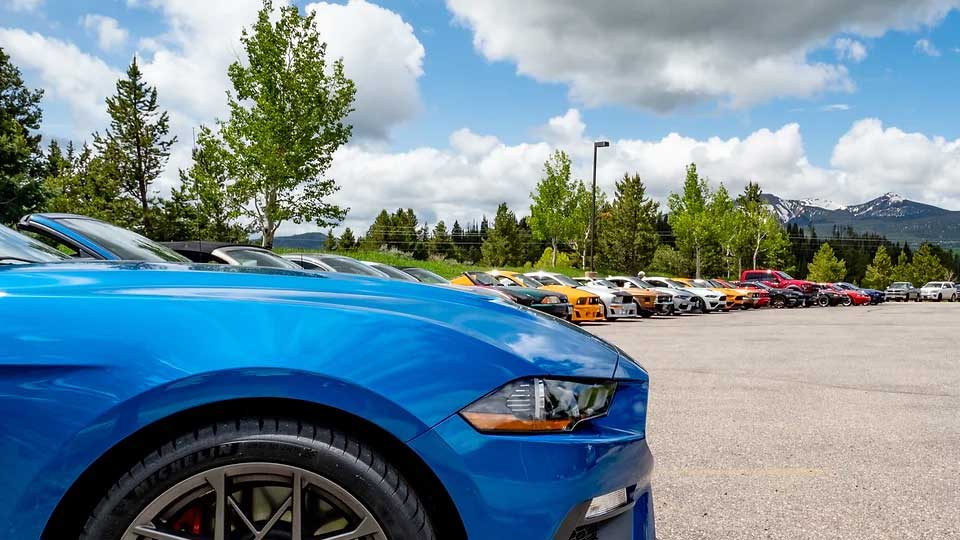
778, 280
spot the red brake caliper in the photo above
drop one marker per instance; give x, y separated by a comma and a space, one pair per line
190, 521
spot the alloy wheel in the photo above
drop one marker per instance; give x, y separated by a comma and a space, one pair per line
255, 501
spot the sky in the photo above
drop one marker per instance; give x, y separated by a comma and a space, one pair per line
460, 102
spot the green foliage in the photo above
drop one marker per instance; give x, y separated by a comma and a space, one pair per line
21, 187
136, 146
691, 219
347, 240
377, 236
879, 273
926, 266
330, 243
287, 112
628, 239
670, 262
440, 244
583, 203
903, 271
554, 206
82, 183
826, 268
549, 259
502, 246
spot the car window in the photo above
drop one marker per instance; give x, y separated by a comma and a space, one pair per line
393, 272
547, 280
426, 276
18, 248
259, 258
350, 266
126, 245
306, 264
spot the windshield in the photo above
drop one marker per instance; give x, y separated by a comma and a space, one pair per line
933, 284
484, 278
393, 272
527, 281
347, 265
675, 283
784, 275
126, 245
605, 283
900, 285
259, 258
426, 276
17, 248
566, 280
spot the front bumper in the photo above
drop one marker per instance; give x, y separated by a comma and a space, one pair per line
619, 311
587, 313
535, 487
930, 295
561, 311
896, 295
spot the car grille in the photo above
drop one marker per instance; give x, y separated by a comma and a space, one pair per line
723, 298
590, 532
663, 299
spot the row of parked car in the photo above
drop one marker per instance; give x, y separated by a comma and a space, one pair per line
934, 291
588, 298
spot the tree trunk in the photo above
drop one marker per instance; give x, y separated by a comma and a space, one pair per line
553, 261
756, 253
697, 252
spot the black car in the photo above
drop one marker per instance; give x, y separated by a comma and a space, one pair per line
549, 302
825, 296
779, 298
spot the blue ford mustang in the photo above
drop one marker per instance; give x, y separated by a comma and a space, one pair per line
175, 402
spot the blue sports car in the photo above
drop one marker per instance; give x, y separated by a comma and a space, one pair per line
166, 401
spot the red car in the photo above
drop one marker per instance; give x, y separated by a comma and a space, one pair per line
778, 280
857, 298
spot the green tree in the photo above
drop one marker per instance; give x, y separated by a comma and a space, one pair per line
136, 146
879, 273
378, 234
629, 238
926, 266
347, 240
762, 233
903, 271
21, 187
549, 257
330, 242
580, 212
287, 112
441, 244
826, 267
502, 246
669, 261
690, 218
86, 185
554, 201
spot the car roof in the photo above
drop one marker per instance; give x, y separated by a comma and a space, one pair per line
206, 246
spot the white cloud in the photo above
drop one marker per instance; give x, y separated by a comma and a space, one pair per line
925, 46
109, 34
738, 52
835, 107
24, 5
381, 55
67, 73
850, 49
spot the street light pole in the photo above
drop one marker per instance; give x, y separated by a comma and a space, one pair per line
593, 208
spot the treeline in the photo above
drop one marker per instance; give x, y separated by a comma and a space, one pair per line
260, 167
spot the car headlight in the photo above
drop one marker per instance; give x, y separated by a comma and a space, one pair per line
540, 406
550, 300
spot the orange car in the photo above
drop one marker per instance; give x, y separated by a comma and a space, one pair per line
586, 305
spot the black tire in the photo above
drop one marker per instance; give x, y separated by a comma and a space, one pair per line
333, 455
779, 302
847, 301
823, 301
940, 297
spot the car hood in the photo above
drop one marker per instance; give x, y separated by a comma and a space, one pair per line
531, 342
535, 294
700, 291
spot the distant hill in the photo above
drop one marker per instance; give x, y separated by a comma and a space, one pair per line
310, 240
891, 215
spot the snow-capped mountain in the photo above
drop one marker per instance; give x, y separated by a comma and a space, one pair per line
892, 215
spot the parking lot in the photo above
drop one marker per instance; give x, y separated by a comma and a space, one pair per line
807, 423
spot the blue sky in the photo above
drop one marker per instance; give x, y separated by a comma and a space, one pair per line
461, 101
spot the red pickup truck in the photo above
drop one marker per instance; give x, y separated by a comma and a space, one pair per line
779, 280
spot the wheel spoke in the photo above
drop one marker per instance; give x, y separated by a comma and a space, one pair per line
243, 517
297, 512
218, 480
273, 520
367, 527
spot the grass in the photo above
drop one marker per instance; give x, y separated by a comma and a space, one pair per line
446, 268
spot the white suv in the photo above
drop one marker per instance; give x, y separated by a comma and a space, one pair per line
939, 291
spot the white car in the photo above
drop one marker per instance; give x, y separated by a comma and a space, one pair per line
616, 304
680, 302
710, 300
938, 291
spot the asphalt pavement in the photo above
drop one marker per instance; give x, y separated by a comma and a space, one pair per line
803, 423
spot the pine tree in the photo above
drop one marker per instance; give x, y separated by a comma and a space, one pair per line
880, 273
502, 246
137, 144
377, 235
21, 183
628, 239
825, 267
347, 240
330, 242
441, 245
457, 235
926, 266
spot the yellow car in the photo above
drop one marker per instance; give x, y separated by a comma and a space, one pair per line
736, 298
587, 306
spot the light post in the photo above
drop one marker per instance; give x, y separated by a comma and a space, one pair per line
593, 209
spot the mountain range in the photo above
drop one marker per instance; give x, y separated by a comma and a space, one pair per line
893, 216
310, 240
